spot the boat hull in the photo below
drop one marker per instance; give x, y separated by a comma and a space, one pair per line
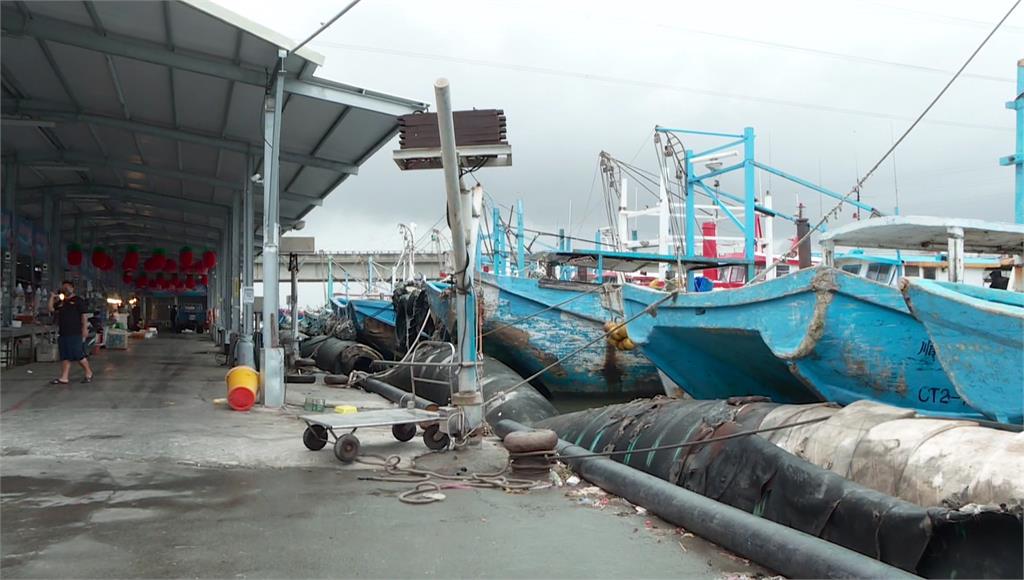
816, 335
978, 335
374, 321
530, 345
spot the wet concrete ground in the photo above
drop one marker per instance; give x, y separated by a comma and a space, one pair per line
139, 475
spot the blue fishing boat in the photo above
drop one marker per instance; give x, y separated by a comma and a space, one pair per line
529, 324
978, 335
373, 320
820, 334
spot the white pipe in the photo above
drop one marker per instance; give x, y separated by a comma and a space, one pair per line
461, 208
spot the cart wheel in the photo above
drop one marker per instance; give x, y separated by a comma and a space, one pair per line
315, 437
404, 432
346, 448
434, 439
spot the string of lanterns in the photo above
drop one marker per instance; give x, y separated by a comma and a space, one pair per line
158, 271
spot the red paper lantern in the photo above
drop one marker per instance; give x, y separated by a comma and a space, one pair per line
127, 278
108, 263
99, 257
190, 282
131, 259
209, 259
75, 255
204, 279
185, 256
170, 265
158, 259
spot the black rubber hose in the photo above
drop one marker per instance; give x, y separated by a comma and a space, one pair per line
787, 551
392, 393
524, 404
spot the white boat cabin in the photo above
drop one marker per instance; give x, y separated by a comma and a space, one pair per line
959, 250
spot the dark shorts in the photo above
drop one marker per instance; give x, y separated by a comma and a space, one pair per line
71, 347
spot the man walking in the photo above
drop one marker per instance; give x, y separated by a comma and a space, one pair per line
72, 319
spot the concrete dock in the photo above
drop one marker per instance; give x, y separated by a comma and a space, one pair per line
140, 474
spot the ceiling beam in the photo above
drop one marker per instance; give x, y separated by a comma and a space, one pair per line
73, 158
159, 200
130, 228
138, 240
45, 111
52, 29
347, 96
121, 217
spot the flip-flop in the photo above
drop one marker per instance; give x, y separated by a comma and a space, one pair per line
87, 380
59, 382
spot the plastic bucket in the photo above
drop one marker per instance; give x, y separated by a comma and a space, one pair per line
243, 384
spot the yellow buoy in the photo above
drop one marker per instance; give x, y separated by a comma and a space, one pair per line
620, 333
627, 344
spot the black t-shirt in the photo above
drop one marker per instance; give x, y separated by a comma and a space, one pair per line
69, 316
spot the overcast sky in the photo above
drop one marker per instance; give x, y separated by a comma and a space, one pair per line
825, 85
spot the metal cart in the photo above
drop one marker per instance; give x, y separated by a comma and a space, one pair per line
321, 427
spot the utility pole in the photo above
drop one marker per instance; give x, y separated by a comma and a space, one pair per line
461, 207
423, 149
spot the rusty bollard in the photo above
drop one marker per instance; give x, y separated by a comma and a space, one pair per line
531, 451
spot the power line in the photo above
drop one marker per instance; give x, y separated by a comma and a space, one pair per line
645, 84
943, 17
325, 26
892, 148
831, 54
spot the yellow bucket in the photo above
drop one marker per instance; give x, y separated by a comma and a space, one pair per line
243, 384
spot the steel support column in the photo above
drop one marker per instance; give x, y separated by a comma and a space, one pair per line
246, 355
224, 273
272, 368
235, 265
48, 222
10, 197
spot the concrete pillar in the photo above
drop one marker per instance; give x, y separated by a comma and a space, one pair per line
272, 356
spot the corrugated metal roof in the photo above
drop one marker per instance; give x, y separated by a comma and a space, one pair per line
146, 111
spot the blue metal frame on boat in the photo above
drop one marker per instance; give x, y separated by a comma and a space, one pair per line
1017, 159
520, 333
978, 335
816, 335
